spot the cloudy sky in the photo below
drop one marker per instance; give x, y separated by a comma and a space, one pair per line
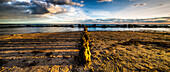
83, 11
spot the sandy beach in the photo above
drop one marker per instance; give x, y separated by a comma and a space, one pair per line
111, 51
39, 52
130, 51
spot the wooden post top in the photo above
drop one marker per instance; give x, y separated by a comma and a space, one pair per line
85, 29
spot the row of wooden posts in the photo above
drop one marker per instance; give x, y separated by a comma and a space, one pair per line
84, 51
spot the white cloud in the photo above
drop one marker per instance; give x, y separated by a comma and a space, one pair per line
81, 1
116, 20
152, 9
143, 9
73, 14
104, 1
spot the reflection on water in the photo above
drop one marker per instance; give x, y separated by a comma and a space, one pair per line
24, 30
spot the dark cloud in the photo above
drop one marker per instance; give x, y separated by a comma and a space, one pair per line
161, 4
35, 6
44, 7
22, 3
140, 4
64, 2
1, 1
15, 8
60, 1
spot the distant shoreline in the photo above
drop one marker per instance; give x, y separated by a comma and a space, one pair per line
88, 25
28, 30
95, 23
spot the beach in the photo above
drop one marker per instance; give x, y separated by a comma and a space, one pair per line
130, 51
39, 52
110, 51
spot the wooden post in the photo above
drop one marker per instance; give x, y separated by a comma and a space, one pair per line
84, 53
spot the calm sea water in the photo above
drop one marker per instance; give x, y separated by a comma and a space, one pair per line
24, 30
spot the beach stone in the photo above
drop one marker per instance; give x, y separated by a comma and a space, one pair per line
110, 48
99, 55
101, 52
13, 34
106, 51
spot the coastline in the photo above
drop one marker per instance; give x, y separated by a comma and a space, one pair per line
111, 51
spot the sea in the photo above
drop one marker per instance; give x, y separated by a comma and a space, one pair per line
25, 30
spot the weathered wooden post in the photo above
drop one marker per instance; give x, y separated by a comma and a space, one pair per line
85, 29
84, 53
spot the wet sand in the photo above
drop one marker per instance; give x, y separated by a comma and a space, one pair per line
111, 51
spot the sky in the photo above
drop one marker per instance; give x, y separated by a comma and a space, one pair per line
84, 11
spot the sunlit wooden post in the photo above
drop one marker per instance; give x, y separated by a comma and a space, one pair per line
84, 53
